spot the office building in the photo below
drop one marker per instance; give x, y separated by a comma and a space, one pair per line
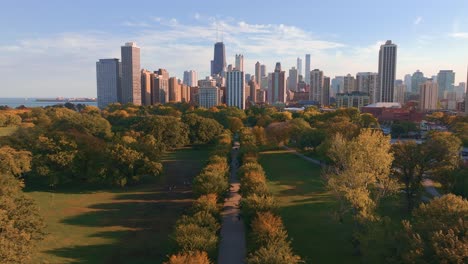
367, 82
218, 64
190, 78
277, 86
428, 95
108, 81
407, 81
307, 69
258, 76
160, 91
349, 83
208, 93
316, 85
387, 71
235, 89
400, 90
240, 62
416, 80
263, 72
248, 77
337, 85
293, 79
146, 86
252, 91
445, 81
131, 76
355, 99
299, 66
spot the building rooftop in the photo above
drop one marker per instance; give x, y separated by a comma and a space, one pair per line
385, 104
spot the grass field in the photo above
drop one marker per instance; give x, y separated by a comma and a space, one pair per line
307, 209
122, 225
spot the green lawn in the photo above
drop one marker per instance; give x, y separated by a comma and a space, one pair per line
6, 131
307, 209
121, 225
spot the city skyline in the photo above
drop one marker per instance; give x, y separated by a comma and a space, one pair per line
186, 42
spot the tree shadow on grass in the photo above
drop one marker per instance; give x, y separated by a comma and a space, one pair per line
140, 226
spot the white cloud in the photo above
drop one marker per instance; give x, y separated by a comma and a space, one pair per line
459, 35
418, 20
135, 24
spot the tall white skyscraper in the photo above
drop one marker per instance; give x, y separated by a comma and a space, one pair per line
407, 81
235, 89
190, 78
387, 71
293, 79
131, 76
316, 85
307, 69
240, 62
299, 66
108, 81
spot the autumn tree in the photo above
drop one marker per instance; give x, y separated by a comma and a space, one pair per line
14, 162
198, 257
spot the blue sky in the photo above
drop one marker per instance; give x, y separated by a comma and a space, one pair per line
49, 48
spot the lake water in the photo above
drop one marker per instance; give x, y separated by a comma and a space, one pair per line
31, 102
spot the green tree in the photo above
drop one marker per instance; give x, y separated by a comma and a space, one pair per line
14, 162
202, 130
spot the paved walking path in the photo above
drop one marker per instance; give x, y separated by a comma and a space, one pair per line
232, 249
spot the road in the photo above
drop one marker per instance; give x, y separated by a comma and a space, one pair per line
232, 249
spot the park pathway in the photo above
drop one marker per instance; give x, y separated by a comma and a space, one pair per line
232, 249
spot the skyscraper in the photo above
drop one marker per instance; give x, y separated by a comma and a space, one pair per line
428, 95
277, 89
399, 96
337, 85
263, 70
146, 88
131, 76
208, 93
367, 82
407, 81
387, 71
299, 66
108, 81
307, 69
190, 78
416, 80
218, 64
445, 81
174, 90
160, 92
325, 99
293, 79
235, 89
258, 76
240, 62
316, 85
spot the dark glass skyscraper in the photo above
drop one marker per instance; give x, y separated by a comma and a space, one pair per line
218, 64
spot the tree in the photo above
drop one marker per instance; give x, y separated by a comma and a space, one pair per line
360, 174
192, 237
279, 252
202, 130
369, 121
438, 232
260, 136
198, 257
21, 226
14, 162
235, 124
278, 133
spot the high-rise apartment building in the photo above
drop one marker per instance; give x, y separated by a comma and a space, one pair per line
240, 62
407, 81
146, 86
428, 95
208, 93
445, 81
277, 86
325, 99
252, 91
399, 95
160, 91
349, 83
416, 80
190, 78
307, 69
367, 82
337, 85
263, 72
131, 76
299, 66
218, 64
235, 89
185, 93
108, 81
174, 90
387, 71
316, 85
293, 79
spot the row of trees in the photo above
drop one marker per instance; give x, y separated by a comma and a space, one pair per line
21, 226
196, 234
268, 235
362, 173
